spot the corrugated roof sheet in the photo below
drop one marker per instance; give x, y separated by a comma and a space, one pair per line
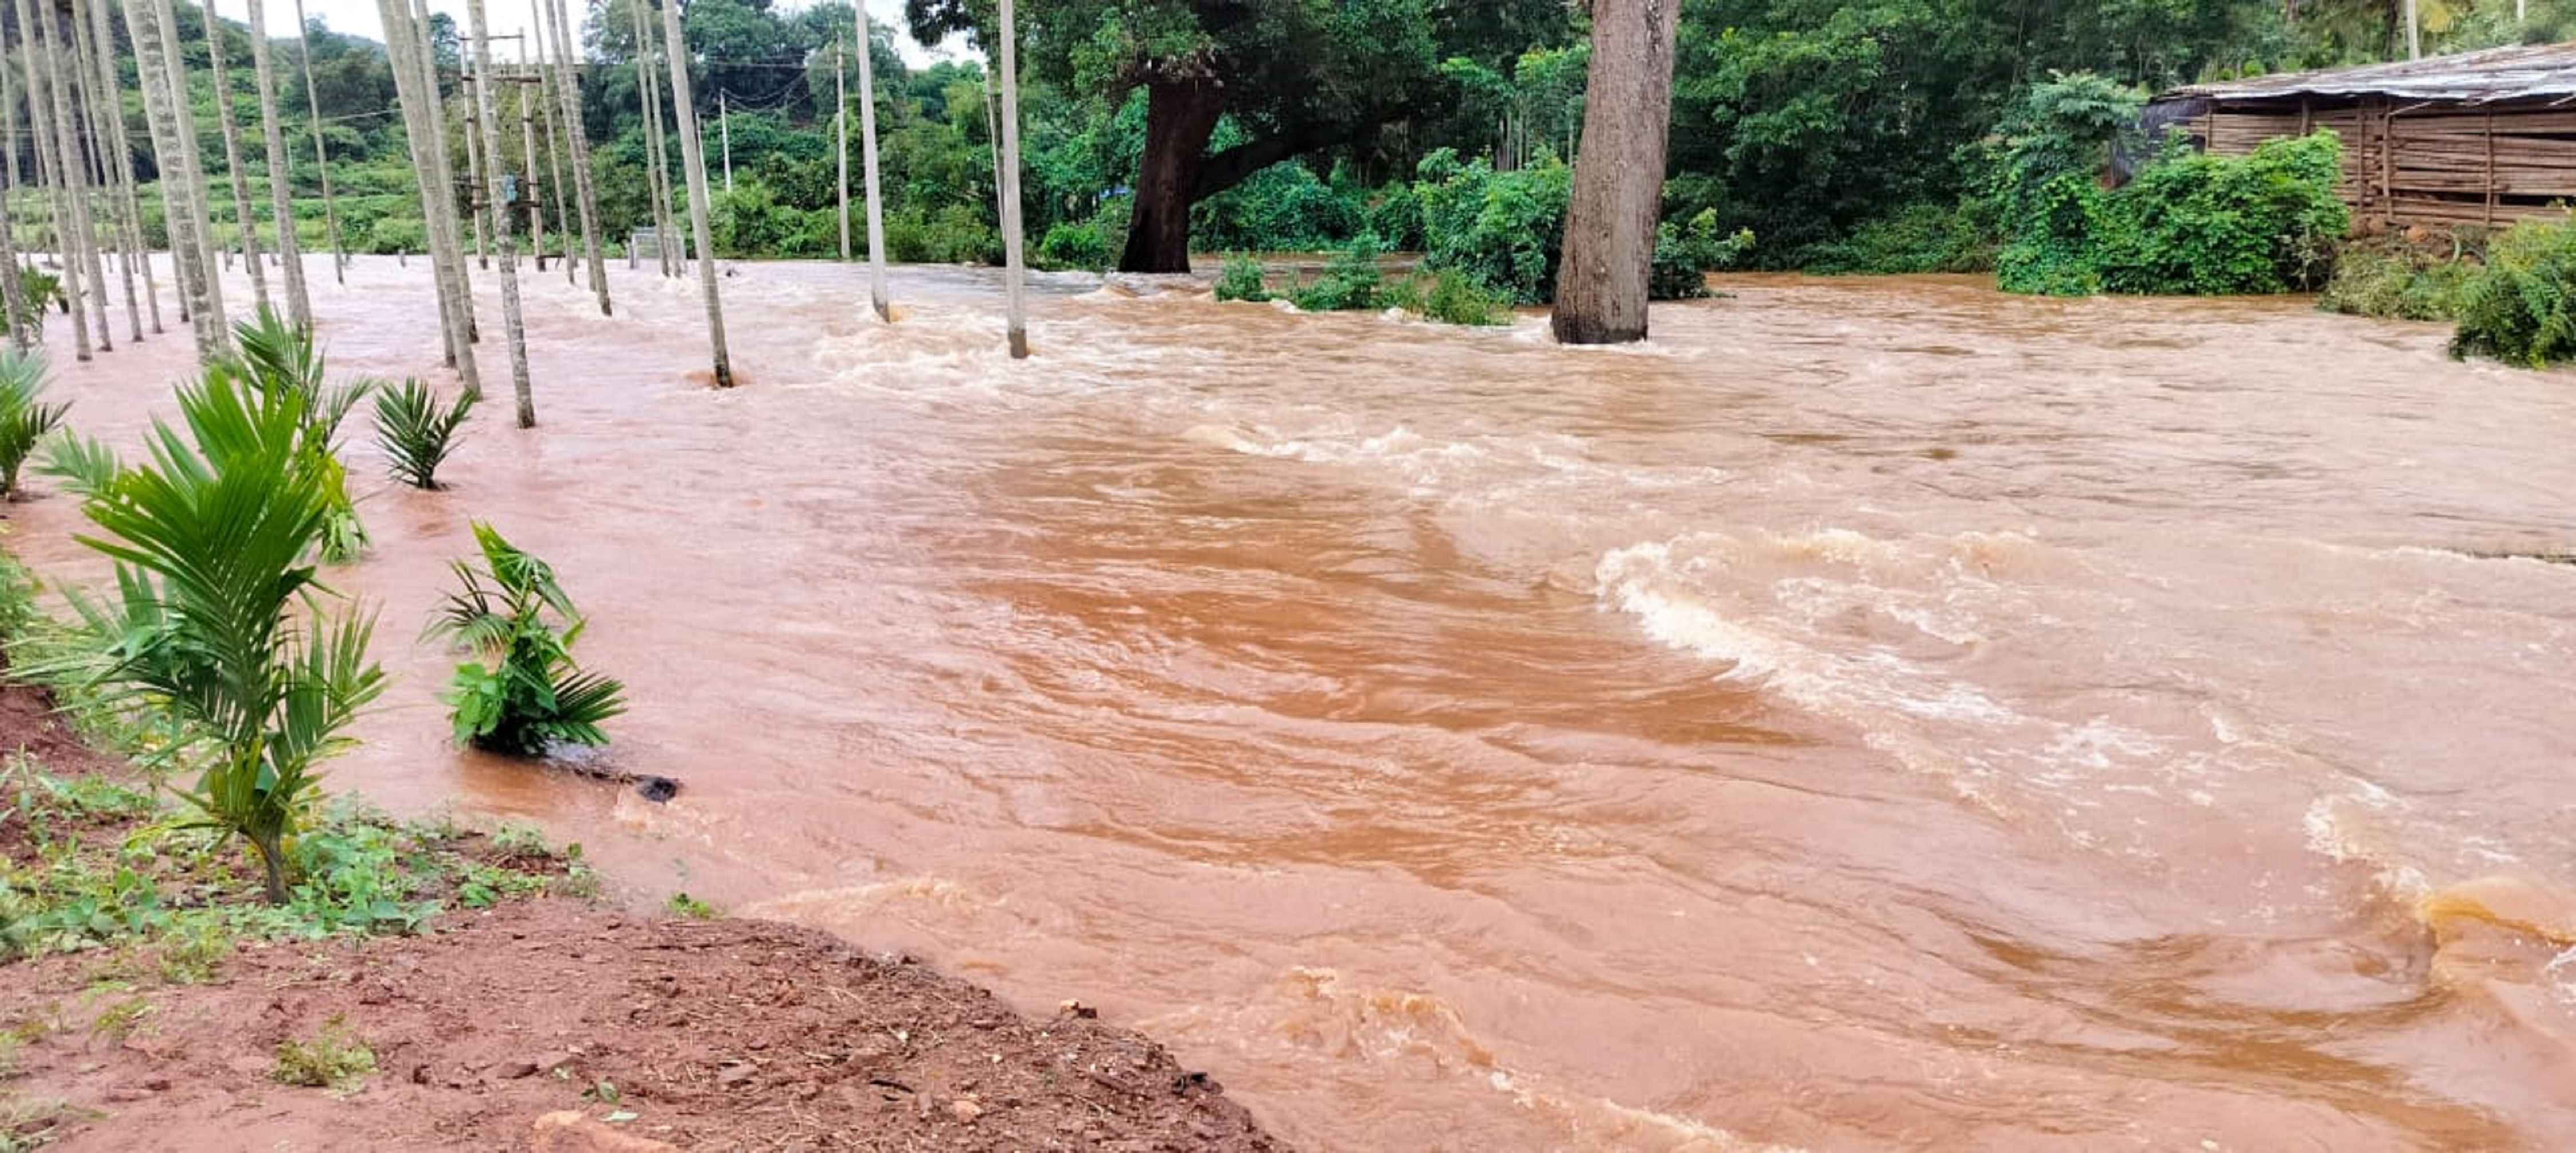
2516, 73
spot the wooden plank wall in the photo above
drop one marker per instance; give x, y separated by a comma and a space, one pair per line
2433, 165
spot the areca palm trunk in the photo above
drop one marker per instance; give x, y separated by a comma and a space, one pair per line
694, 163
13, 292
443, 176
281, 190
528, 180
547, 115
485, 118
568, 93
62, 80
102, 39
321, 151
231, 133
475, 167
1016, 302
657, 167
192, 177
403, 45
201, 303
92, 101
52, 123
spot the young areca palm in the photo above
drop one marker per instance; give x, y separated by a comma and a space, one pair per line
282, 359
25, 418
416, 433
218, 623
524, 693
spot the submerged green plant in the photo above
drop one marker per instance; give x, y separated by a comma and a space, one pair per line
416, 433
523, 692
25, 417
218, 624
1242, 280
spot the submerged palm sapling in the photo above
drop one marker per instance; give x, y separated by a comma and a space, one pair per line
416, 433
25, 417
523, 693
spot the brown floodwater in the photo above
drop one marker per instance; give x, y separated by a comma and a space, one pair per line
1874, 715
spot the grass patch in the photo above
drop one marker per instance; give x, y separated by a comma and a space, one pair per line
684, 905
333, 1058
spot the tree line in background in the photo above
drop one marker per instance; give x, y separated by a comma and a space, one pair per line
1844, 136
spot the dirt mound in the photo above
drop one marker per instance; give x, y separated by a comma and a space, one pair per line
714, 1035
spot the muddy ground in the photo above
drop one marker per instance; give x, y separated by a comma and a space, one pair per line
718, 1034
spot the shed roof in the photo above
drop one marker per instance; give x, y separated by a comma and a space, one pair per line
2517, 73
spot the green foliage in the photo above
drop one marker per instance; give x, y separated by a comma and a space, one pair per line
85, 465
1686, 253
750, 221
218, 625
956, 234
1075, 246
333, 1058
1282, 208
523, 693
1242, 280
416, 432
105, 868
2186, 224
1457, 298
684, 905
2521, 307
391, 235
1351, 281
25, 417
1500, 228
2399, 281
1919, 238
40, 288
283, 361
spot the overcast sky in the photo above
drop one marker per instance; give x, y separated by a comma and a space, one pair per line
359, 18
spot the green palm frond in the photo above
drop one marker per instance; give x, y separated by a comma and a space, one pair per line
85, 465
416, 433
25, 417
523, 692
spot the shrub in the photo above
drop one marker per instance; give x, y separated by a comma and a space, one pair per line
391, 235
333, 1058
25, 418
2398, 281
957, 234
1395, 217
1502, 228
217, 625
2188, 225
1685, 254
1917, 239
40, 288
523, 692
1282, 208
2521, 308
1350, 282
1079, 246
1242, 280
416, 433
1456, 298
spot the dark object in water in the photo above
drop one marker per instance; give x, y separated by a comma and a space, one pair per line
656, 789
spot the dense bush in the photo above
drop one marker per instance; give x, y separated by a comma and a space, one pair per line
956, 234
1502, 228
1686, 253
1282, 208
1079, 246
392, 235
1351, 282
2185, 224
1916, 239
2399, 280
1456, 298
1242, 280
749, 220
2521, 307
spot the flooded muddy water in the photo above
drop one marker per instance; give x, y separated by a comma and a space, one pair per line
1875, 715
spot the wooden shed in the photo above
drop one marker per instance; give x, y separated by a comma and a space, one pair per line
2477, 138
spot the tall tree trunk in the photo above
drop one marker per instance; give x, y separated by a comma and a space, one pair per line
62, 82
231, 131
1180, 117
129, 207
106, 123
868, 169
549, 114
529, 190
203, 248
693, 162
841, 136
201, 304
450, 234
53, 129
403, 46
568, 90
321, 151
24, 333
1619, 180
1014, 292
281, 190
657, 171
486, 118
